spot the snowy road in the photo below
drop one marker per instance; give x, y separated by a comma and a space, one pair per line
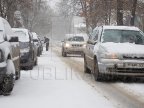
52, 84
60, 83
122, 94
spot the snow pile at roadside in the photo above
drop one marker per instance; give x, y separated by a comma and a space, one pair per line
136, 89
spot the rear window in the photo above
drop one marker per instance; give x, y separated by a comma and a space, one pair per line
23, 37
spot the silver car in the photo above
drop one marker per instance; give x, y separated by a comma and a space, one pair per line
115, 50
73, 44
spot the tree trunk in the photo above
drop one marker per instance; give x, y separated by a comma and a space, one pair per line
133, 12
119, 12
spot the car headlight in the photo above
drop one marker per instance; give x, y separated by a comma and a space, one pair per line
84, 45
109, 56
67, 45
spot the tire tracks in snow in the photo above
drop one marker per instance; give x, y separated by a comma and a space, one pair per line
115, 94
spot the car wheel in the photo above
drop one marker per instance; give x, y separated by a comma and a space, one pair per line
35, 62
86, 69
30, 67
8, 81
18, 74
38, 53
7, 85
64, 54
96, 74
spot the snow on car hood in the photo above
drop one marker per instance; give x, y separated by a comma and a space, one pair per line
122, 48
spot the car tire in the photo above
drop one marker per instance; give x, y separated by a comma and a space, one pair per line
86, 69
7, 85
64, 54
35, 62
8, 81
30, 67
96, 74
18, 74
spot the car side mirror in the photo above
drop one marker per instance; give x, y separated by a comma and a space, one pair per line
14, 39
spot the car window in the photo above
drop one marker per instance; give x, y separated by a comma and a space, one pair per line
123, 36
76, 38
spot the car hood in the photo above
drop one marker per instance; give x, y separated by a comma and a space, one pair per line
122, 48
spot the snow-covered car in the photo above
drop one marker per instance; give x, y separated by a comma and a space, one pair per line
37, 43
9, 57
28, 53
73, 44
115, 50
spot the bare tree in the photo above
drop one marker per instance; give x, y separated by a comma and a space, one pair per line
133, 12
119, 12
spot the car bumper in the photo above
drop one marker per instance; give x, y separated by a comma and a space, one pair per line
120, 67
25, 62
74, 50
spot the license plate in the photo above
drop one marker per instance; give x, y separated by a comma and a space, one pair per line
134, 65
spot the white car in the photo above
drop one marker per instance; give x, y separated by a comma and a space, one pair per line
115, 50
73, 44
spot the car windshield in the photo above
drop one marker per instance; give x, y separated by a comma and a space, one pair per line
23, 37
1, 36
123, 36
76, 38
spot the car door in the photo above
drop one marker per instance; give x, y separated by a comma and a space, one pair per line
87, 51
91, 45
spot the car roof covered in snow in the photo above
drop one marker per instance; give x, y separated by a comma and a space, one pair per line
20, 29
84, 35
121, 28
72, 35
35, 36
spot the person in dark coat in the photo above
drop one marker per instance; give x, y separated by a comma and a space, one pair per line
47, 43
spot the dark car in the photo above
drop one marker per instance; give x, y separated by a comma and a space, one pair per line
9, 58
28, 53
